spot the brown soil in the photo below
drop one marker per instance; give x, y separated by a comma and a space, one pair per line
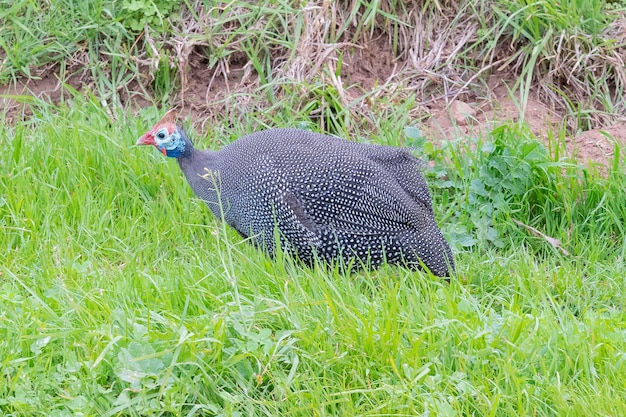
369, 66
207, 95
14, 98
462, 119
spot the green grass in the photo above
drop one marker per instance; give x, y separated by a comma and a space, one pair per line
121, 295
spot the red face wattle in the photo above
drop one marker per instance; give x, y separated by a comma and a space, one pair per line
160, 132
148, 137
168, 121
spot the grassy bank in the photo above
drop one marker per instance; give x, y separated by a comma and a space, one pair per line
569, 55
120, 295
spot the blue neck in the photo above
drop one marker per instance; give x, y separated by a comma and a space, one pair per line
176, 152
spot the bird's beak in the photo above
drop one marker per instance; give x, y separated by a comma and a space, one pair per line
147, 139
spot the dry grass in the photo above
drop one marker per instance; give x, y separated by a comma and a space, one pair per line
435, 50
349, 55
578, 74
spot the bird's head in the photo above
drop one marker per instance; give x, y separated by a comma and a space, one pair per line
167, 137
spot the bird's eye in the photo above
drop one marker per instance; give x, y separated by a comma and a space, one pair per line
161, 134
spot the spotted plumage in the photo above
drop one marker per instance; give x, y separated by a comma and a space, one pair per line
325, 196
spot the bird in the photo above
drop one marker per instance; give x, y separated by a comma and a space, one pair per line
319, 197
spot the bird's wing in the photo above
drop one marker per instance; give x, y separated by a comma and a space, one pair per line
384, 207
405, 168
368, 203
370, 192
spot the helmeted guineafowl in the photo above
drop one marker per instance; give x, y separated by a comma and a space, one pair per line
323, 196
